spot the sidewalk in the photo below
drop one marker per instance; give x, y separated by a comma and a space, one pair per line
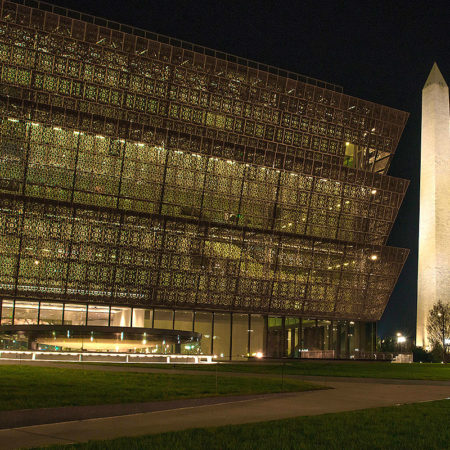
345, 396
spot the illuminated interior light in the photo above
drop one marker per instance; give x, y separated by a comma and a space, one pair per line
347, 143
374, 257
99, 136
35, 124
347, 202
373, 191
36, 262
57, 128
12, 120
346, 264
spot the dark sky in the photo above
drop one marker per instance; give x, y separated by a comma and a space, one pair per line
381, 51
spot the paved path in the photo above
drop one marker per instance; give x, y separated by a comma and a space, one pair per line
345, 396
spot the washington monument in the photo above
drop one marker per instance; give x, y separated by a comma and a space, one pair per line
434, 223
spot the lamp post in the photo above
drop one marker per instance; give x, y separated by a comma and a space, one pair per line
445, 341
400, 341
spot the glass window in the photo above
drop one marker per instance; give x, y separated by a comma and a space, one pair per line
292, 329
221, 336
26, 313
74, 314
313, 336
120, 316
203, 325
342, 338
353, 337
257, 338
164, 319
98, 315
142, 318
239, 348
276, 344
334, 337
50, 313
325, 325
183, 320
7, 312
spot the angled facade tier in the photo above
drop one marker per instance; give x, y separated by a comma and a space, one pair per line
153, 184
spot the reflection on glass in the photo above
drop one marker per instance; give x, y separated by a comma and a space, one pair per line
203, 325
74, 314
326, 326
275, 337
221, 345
120, 316
164, 319
142, 318
50, 313
26, 313
256, 334
183, 320
98, 315
7, 312
292, 330
240, 336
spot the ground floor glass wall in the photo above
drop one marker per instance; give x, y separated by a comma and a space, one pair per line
226, 335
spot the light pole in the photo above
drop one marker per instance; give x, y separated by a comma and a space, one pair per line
400, 340
445, 342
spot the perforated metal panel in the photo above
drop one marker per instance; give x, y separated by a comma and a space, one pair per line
138, 172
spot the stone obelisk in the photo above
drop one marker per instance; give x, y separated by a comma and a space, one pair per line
434, 223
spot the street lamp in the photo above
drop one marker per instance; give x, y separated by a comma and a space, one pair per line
400, 340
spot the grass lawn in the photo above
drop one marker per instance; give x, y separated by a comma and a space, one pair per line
416, 426
23, 387
415, 371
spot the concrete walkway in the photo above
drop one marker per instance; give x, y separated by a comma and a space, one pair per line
345, 396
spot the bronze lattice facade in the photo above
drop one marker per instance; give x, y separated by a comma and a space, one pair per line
140, 171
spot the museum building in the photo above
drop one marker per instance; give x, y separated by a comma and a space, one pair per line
161, 197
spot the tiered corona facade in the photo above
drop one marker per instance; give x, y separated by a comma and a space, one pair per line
145, 177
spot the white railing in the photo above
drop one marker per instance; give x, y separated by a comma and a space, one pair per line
104, 357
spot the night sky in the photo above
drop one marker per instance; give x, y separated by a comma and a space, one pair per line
381, 51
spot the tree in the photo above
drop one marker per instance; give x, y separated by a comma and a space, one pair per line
438, 327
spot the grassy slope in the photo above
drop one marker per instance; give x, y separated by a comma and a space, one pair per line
417, 426
24, 387
414, 371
